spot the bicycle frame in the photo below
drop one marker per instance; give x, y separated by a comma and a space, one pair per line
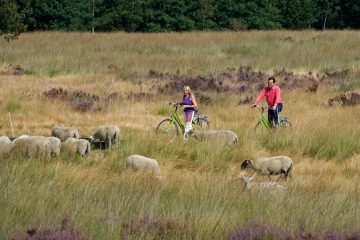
175, 118
263, 119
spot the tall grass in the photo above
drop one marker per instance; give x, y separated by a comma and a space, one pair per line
201, 191
130, 56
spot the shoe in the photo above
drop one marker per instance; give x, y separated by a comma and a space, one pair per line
276, 126
186, 137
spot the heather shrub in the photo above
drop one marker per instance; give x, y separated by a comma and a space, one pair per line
56, 94
345, 99
64, 232
140, 96
255, 231
155, 228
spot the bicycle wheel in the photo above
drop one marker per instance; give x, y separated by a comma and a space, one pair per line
202, 123
167, 130
259, 127
284, 122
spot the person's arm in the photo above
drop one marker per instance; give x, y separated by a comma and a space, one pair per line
277, 97
258, 99
194, 105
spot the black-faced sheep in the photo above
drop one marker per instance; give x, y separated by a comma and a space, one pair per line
64, 133
141, 163
108, 134
226, 136
270, 165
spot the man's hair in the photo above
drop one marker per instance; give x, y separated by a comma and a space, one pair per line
271, 78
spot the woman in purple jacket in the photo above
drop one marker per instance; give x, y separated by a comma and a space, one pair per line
189, 103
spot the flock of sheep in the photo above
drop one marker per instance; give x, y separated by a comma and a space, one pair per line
68, 139
62, 138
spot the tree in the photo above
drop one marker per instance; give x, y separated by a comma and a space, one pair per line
12, 18
298, 14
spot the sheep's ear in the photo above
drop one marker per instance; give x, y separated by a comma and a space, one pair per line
244, 164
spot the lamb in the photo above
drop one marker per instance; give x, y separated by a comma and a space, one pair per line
229, 137
271, 165
5, 146
77, 146
263, 186
64, 133
109, 134
141, 163
35, 146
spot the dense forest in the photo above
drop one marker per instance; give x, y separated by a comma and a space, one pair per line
176, 15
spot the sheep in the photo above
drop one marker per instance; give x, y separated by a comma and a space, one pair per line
271, 165
20, 137
263, 186
5, 146
54, 141
64, 133
77, 146
109, 134
141, 163
229, 137
55, 145
34, 146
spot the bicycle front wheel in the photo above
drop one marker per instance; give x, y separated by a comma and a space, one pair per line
167, 130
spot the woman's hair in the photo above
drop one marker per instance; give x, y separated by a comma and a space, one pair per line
187, 88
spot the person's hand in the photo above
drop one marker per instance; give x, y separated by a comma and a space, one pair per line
253, 106
274, 107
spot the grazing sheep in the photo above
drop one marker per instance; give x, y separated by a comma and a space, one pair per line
64, 133
141, 163
55, 145
77, 146
54, 141
34, 146
20, 137
271, 165
108, 134
5, 146
263, 186
229, 137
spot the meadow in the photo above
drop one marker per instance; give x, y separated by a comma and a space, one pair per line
127, 79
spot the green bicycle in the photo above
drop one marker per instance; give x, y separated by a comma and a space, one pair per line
168, 128
263, 123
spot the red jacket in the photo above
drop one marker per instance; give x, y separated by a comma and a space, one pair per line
273, 96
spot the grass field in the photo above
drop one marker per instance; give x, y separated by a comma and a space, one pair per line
201, 195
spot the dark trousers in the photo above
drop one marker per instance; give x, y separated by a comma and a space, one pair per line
273, 115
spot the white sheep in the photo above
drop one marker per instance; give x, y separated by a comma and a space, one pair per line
227, 136
55, 145
5, 146
34, 146
64, 133
141, 163
263, 186
54, 141
271, 165
77, 146
108, 134
20, 137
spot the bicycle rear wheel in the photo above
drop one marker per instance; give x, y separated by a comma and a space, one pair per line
167, 130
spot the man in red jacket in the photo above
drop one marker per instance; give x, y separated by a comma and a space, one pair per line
273, 98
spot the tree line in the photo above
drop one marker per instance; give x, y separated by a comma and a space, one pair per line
175, 15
